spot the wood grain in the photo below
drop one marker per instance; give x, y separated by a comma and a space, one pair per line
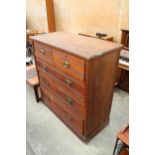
54, 103
69, 100
75, 66
76, 87
100, 79
82, 89
44, 52
50, 15
82, 46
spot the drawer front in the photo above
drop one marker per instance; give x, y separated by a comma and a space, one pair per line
69, 64
77, 87
43, 52
52, 102
75, 95
67, 100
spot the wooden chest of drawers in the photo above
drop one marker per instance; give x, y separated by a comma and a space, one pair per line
77, 77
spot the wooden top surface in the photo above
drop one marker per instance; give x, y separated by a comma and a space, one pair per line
124, 135
82, 46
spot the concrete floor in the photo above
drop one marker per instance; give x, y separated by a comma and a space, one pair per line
47, 135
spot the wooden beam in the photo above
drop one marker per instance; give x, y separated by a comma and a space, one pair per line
50, 15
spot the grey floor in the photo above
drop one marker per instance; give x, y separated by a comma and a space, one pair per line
47, 135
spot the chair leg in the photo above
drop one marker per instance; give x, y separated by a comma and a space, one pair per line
114, 152
36, 93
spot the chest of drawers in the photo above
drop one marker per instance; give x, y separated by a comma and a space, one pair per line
77, 77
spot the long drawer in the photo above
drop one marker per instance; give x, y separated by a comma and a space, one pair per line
77, 87
56, 82
70, 119
68, 100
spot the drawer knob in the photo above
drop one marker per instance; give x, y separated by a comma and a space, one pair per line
48, 99
68, 82
69, 100
51, 98
45, 68
66, 64
46, 83
42, 51
70, 117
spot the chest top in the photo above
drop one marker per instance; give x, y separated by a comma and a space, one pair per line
82, 46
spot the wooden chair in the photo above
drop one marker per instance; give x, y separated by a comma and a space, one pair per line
124, 152
122, 142
32, 79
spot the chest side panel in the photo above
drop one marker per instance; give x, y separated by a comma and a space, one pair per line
100, 82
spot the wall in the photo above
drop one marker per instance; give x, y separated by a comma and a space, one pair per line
36, 15
81, 16
91, 16
125, 14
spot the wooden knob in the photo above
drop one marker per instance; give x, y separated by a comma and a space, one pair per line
51, 98
46, 83
68, 82
45, 68
47, 98
66, 64
69, 100
69, 117
42, 51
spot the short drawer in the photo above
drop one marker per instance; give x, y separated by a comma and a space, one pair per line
67, 100
43, 52
77, 87
54, 104
69, 64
